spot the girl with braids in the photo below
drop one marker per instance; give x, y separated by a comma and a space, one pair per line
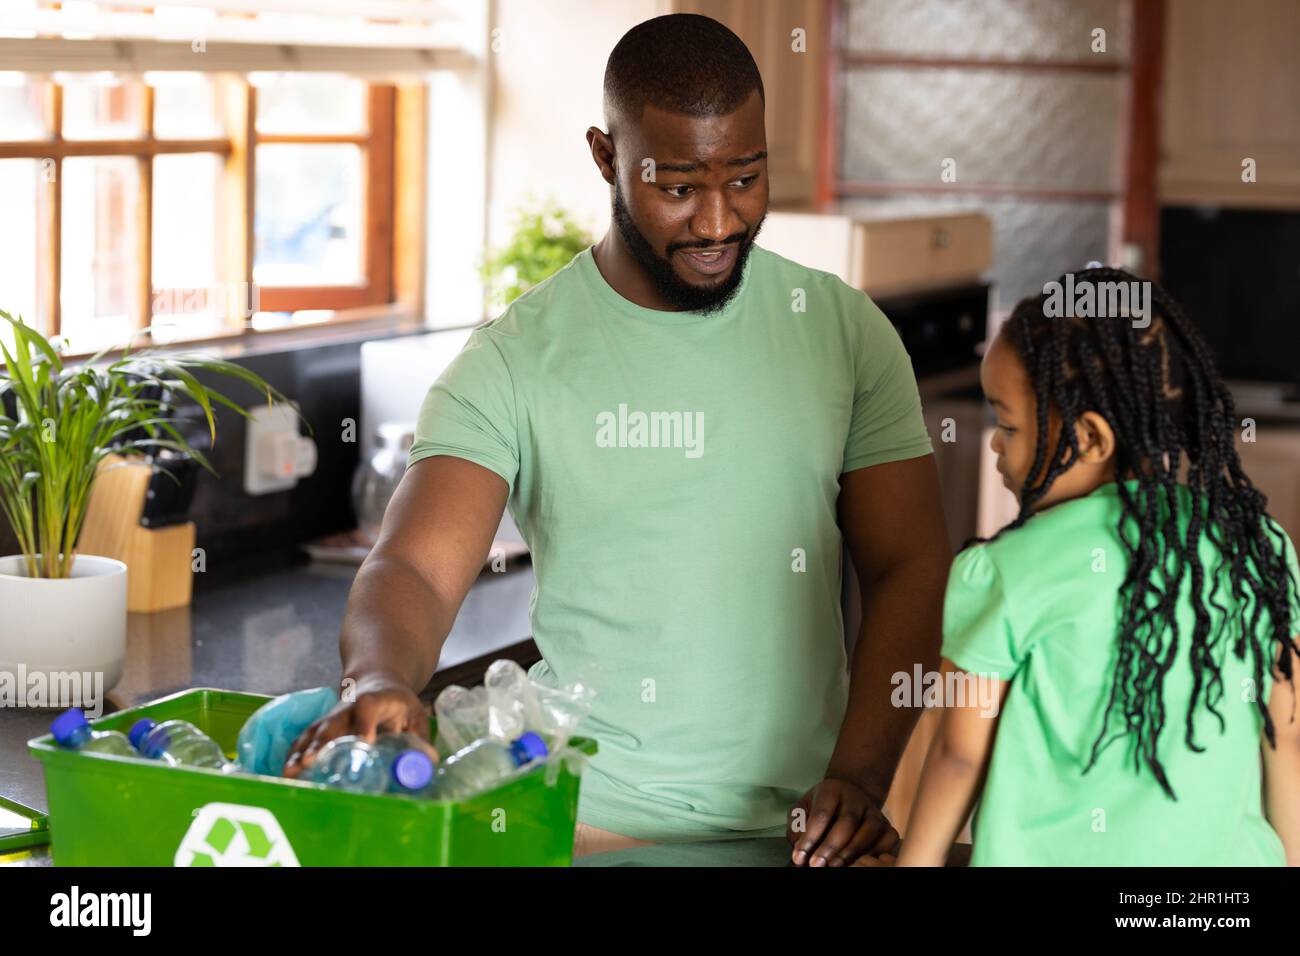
1134, 624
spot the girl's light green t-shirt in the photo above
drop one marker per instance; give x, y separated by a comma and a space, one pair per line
675, 475
1040, 606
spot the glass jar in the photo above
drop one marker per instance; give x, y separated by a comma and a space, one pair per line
376, 479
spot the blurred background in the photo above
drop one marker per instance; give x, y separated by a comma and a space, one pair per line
334, 192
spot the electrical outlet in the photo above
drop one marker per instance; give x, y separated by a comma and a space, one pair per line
275, 455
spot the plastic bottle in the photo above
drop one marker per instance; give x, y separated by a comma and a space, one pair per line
179, 744
482, 765
72, 730
390, 765
410, 762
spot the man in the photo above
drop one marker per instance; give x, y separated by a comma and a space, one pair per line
675, 419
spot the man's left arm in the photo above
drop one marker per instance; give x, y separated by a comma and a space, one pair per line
891, 517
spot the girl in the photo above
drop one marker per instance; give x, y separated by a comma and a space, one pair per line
1136, 619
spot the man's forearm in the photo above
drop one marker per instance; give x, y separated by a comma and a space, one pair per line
394, 626
902, 620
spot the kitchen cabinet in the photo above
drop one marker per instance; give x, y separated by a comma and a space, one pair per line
1229, 93
1272, 462
792, 82
889, 251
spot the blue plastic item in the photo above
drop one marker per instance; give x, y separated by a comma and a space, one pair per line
72, 730
178, 743
350, 763
266, 737
482, 765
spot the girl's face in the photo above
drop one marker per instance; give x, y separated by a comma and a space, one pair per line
1010, 391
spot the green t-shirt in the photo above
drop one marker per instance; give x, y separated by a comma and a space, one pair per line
675, 475
1039, 606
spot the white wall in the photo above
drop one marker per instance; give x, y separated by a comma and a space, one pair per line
514, 127
548, 64
457, 180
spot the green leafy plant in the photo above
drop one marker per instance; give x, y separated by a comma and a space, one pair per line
545, 239
58, 423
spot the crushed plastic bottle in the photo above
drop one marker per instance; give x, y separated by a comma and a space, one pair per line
178, 743
392, 764
72, 730
482, 765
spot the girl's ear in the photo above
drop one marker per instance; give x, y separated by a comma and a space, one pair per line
1096, 438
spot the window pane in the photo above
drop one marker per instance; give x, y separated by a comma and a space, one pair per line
309, 215
22, 188
184, 106
98, 106
100, 281
309, 103
23, 112
188, 300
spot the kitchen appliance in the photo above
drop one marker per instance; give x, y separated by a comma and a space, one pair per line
395, 376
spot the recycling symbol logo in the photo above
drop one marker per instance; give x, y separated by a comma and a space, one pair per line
233, 834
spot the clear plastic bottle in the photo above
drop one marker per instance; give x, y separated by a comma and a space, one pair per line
72, 730
389, 765
482, 765
179, 744
410, 761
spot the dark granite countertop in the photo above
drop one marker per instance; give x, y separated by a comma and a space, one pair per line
269, 627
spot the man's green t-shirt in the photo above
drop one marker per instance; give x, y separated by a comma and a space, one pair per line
1040, 607
675, 475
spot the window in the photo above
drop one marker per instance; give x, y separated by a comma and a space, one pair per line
193, 205
323, 156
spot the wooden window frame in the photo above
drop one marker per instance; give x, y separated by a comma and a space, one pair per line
377, 145
393, 246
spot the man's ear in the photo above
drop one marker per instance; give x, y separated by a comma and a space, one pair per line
1096, 438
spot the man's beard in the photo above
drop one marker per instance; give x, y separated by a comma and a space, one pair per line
678, 292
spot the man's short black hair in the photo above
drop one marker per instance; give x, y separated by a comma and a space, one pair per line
683, 63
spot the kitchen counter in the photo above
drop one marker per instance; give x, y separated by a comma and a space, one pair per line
269, 626
768, 851
764, 851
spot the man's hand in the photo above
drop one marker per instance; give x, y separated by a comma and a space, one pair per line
380, 707
841, 823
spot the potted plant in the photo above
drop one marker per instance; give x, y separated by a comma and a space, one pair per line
545, 239
61, 612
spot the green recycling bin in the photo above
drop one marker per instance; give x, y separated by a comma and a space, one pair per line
107, 810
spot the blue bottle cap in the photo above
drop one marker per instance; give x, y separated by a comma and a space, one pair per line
412, 769
528, 748
139, 729
67, 724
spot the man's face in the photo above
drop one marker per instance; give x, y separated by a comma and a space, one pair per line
691, 217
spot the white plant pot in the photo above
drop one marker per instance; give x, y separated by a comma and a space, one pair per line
63, 626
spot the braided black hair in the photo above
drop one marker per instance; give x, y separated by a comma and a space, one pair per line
1172, 416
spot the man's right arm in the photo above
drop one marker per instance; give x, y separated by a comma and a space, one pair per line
437, 532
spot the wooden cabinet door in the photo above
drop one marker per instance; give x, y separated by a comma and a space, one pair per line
792, 82
1229, 93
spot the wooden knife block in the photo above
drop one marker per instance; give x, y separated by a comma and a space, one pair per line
159, 570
